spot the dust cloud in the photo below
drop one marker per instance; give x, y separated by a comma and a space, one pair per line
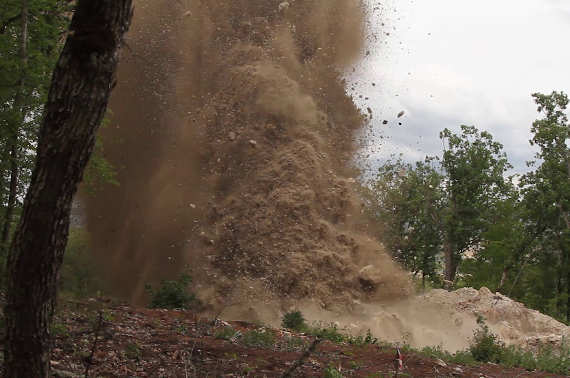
232, 133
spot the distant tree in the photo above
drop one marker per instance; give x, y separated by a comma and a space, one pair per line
76, 104
449, 205
546, 192
408, 203
474, 166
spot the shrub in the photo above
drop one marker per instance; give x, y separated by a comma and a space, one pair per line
225, 333
294, 320
78, 270
133, 351
361, 340
486, 346
259, 338
172, 294
332, 372
329, 333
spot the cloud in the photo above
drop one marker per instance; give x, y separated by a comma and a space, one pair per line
449, 62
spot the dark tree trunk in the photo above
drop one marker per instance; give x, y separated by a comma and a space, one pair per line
14, 172
76, 104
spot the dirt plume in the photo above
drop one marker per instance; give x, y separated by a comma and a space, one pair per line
232, 133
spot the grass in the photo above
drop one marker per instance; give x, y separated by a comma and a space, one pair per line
225, 333
258, 338
172, 294
485, 347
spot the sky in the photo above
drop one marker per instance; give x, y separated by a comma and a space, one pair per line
452, 62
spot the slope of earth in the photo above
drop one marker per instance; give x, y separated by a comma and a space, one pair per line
510, 320
136, 342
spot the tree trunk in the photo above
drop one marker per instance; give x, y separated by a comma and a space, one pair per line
13, 140
76, 104
567, 294
504, 277
450, 262
14, 171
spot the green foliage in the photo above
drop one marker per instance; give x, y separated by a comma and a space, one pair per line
475, 166
78, 273
486, 346
332, 372
292, 343
225, 333
172, 294
59, 330
329, 332
259, 338
407, 201
462, 210
546, 200
361, 340
24, 81
460, 357
133, 351
99, 171
489, 349
294, 320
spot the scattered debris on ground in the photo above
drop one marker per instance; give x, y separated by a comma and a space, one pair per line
136, 342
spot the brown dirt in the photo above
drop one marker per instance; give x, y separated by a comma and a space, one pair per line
233, 134
137, 342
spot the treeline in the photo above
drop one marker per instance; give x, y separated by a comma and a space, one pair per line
32, 33
458, 220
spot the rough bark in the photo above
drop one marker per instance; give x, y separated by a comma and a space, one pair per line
77, 100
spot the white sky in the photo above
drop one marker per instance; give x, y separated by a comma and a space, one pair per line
452, 62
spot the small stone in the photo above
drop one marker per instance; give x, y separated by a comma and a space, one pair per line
439, 362
252, 143
284, 6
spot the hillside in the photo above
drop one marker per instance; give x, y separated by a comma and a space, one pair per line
136, 342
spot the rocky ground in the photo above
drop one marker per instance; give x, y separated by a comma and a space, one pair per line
138, 342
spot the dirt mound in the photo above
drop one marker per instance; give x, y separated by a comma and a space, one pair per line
510, 320
237, 135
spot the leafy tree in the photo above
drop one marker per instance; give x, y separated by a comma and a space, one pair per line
546, 192
449, 205
409, 199
30, 35
475, 166
75, 107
